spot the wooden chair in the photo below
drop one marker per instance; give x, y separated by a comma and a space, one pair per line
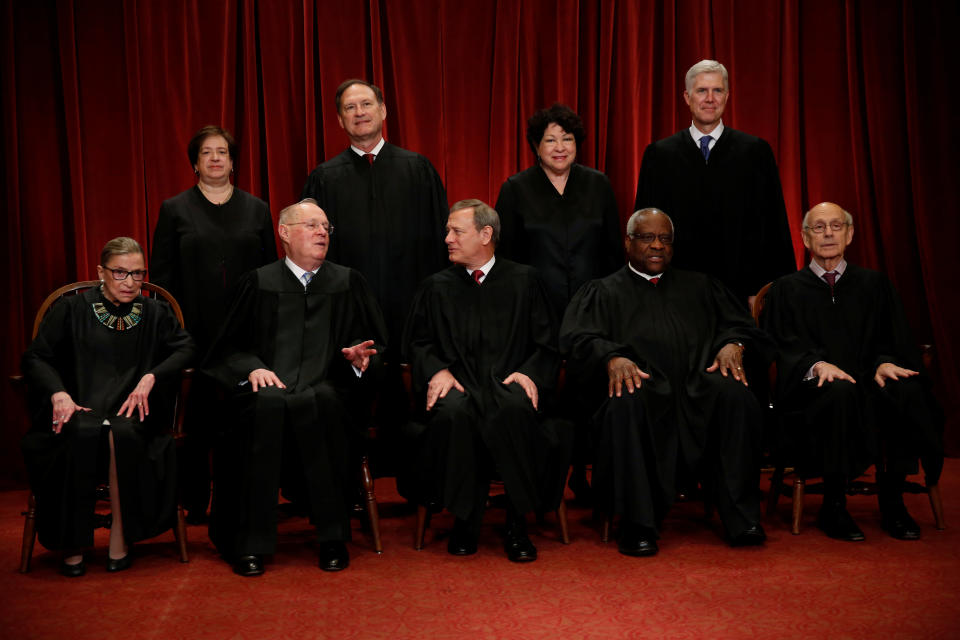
799, 486
30, 515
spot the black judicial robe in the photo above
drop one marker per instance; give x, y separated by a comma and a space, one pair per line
201, 250
570, 238
389, 220
482, 334
729, 214
99, 367
858, 328
314, 424
673, 331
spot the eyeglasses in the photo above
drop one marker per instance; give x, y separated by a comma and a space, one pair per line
121, 274
648, 238
820, 227
313, 226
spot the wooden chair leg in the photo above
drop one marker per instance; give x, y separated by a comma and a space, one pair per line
29, 534
423, 514
607, 525
180, 533
776, 483
562, 518
798, 485
936, 503
371, 498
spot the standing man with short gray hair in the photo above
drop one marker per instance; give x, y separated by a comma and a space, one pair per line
722, 189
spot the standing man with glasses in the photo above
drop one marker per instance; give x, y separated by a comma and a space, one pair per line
722, 188
295, 359
850, 380
662, 353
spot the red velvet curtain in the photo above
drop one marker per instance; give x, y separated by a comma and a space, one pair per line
99, 99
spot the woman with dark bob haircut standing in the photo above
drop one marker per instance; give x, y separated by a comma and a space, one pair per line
561, 217
101, 375
207, 238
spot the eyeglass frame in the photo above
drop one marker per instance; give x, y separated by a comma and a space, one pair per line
835, 226
666, 239
115, 274
312, 226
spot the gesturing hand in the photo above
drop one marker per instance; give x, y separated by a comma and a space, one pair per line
439, 385
623, 371
359, 354
526, 384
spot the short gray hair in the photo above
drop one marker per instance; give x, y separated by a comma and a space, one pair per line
847, 216
635, 219
707, 66
288, 212
483, 216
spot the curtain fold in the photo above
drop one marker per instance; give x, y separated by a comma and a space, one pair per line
99, 99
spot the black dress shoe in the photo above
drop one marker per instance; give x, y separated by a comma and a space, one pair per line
463, 541
119, 564
899, 524
751, 537
334, 556
248, 566
73, 570
518, 546
835, 521
637, 541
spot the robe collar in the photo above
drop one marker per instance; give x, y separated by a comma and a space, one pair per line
643, 275
375, 151
485, 268
819, 271
297, 271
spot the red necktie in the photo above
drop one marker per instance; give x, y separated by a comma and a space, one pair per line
655, 279
831, 278
477, 275
370, 157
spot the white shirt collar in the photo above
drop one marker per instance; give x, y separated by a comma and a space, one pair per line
297, 271
696, 134
641, 273
819, 271
375, 151
485, 268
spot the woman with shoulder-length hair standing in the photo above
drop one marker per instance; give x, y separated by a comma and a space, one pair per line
561, 217
207, 238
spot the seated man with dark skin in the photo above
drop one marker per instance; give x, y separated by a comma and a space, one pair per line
666, 348
850, 382
295, 358
481, 340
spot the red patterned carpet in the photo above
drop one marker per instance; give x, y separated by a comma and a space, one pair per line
805, 586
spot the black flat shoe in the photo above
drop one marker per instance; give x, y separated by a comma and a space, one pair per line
900, 525
519, 548
73, 570
835, 521
248, 566
334, 556
751, 537
637, 541
119, 564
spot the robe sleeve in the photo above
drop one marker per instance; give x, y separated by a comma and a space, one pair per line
174, 342
232, 358
420, 348
647, 181
511, 225
585, 331
370, 324
434, 200
895, 338
39, 362
796, 351
268, 241
165, 253
734, 324
775, 241
613, 230
543, 363
313, 187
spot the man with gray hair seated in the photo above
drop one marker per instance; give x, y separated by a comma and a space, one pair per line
850, 379
662, 350
295, 358
721, 186
481, 340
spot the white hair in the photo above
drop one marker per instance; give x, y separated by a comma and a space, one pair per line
707, 66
